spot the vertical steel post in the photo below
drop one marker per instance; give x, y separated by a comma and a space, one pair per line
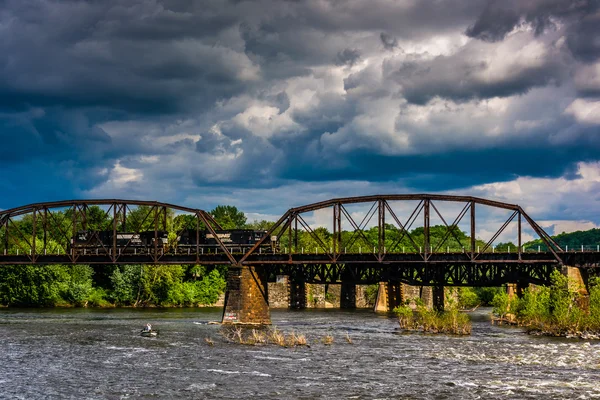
472, 230
381, 223
519, 223
6, 233
296, 233
124, 222
164, 210
339, 228
290, 235
45, 228
34, 235
74, 231
337, 233
114, 250
156, 212
197, 236
84, 217
426, 227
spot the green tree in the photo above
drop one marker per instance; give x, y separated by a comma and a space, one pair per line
32, 285
97, 219
262, 225
229, 217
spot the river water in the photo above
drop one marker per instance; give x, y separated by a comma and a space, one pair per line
99, 354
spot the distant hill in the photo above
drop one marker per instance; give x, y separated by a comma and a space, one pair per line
590, 240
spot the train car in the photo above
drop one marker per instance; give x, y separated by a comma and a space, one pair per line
89, 242
236, 240
148, 238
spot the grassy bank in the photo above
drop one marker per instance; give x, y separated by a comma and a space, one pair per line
557, 310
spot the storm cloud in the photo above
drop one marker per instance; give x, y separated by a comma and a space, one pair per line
189, 102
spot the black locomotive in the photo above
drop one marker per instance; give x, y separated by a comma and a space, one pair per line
235, 240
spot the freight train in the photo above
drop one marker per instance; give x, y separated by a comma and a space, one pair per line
235, 240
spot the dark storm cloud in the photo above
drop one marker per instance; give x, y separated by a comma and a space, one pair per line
581, 16
583, 38
253, 94
500, 17
389, 42
347, 57
467, 75
448, 171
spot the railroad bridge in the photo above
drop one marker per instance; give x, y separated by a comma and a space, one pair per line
375, 245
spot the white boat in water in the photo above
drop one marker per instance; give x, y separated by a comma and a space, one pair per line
150, 333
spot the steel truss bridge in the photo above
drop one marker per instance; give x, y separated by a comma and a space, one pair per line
418, 262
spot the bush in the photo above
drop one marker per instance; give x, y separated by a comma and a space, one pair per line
450, 321
467, 298
555, 309
486, 294
97, 298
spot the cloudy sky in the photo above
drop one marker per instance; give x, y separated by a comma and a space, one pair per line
268, 105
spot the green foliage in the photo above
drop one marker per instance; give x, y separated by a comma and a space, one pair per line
572, 240
371, 293
449, 321
31, 285
165, 285
506, 247
126, 284
262, 225
78, 285
593, 319
186, 221
500, 304
555, 309
486, 294
229, 217
467, 298
97, 219
98, 298
405, 316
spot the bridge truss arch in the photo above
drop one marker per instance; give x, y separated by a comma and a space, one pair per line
63, 220
421, 261
373, 246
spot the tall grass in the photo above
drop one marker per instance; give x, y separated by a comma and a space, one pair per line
450, 321
256, 337
554, 310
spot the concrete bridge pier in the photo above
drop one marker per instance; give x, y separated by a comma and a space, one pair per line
515, 289
389, 296
577, 284
246, 297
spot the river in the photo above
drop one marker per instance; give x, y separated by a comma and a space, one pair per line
99, 354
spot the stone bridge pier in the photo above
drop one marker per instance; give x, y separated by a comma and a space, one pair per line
389, 296
246, 296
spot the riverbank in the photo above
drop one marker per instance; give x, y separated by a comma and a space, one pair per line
560, 310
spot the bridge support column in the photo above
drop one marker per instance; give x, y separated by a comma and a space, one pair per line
389, 296
297, 292
246, 297
514, 289
438, 297
348, 296
577, 284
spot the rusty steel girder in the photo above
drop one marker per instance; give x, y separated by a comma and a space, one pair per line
380, 206
31, 249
